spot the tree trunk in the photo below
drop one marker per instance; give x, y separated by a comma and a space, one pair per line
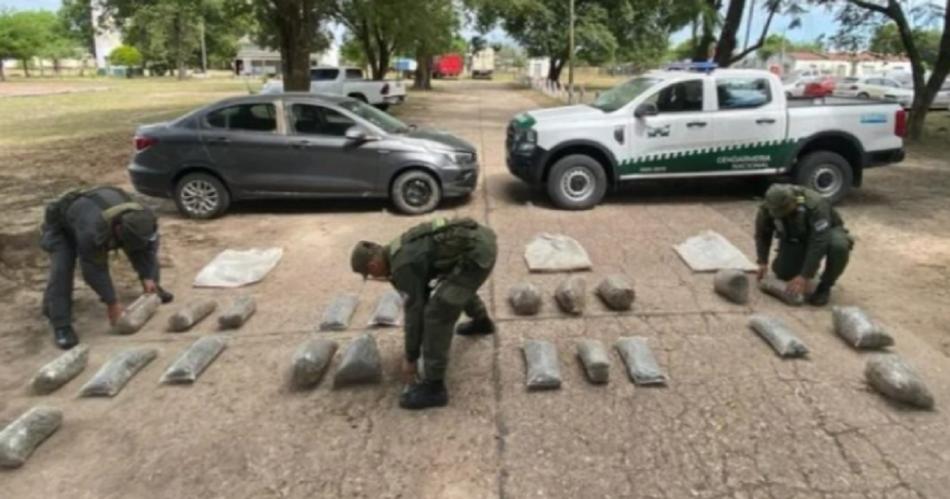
56, 67
294, 30
423, 71
701, 48
179, 45
3, 76
26, 67
727, 39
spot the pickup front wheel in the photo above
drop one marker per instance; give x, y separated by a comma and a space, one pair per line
826, 173
576, 182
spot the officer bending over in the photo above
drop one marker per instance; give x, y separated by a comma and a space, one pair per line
809, 230
85, 225
438, 268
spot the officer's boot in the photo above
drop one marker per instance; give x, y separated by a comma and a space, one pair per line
424, 394
165, 296
821, 296
479, 326
65, 337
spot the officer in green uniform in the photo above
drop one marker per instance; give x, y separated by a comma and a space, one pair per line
809, 230
438, 267
85, 226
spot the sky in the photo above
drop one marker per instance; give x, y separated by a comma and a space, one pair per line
818, 21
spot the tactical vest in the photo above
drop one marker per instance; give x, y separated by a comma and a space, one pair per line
453, 242
795, 227
112, 201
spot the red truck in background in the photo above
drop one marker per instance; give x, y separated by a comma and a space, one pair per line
447, 66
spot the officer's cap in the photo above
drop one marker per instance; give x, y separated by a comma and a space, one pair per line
363, 253
137, 229
780, 199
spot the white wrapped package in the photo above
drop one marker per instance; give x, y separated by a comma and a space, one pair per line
236, 268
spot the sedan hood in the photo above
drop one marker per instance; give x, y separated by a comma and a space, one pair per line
440, 140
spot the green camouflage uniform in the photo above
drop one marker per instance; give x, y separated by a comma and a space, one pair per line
812, 232
438, 266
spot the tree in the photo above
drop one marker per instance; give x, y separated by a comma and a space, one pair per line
159, 27
24, 34
379, 26
125, 55
886, 40
434, 32
857, 15
296, 28
76, 16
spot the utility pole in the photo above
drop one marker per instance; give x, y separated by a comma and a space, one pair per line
570, 60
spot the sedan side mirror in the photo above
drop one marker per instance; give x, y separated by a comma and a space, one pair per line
358, 134
646, 109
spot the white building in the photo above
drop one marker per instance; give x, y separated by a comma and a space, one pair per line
254, 60
836, 64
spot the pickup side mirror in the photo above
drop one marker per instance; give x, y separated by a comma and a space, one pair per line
358, 134
646, 109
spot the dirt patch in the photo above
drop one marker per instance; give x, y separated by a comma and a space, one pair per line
41, 89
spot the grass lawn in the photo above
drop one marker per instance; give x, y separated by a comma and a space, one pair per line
97, 106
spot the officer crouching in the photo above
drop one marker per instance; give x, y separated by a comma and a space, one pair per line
85, 226
809, 230
438, 267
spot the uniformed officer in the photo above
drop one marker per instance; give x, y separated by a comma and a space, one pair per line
84, 226
809, 230
438, 267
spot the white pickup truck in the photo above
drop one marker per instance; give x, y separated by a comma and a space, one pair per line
348, 82
701, 122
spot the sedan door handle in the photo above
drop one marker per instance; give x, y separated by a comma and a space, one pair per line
765, 121
300, 144
693, 124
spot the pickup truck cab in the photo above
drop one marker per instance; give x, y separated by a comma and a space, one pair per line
688, 123
348, 82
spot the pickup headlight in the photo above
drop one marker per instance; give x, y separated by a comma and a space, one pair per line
528, 135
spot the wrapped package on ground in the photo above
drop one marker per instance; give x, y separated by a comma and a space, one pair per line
732, 285
360, 363
571, 295
776, 287
641, 364
896, 380
595, 360
190, 314
854, 326
110, 379
388, 312
137, 314
337, 315
778, 335
193, 361
616, 292
543, 370
60, 371
21, 437
311, 361
240, 310
525, 299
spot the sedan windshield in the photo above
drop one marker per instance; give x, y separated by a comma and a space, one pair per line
622, 94
375, 116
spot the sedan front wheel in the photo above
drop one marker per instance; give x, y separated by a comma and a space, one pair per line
201, 196
416, 192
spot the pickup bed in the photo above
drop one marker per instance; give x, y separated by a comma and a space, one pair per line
710, 123
348, 82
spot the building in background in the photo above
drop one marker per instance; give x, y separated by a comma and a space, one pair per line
833, 64
253, 60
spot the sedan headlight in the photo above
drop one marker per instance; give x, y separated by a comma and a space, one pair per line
460, 157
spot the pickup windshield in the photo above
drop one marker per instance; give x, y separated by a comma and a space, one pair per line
375, 116
619, 96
